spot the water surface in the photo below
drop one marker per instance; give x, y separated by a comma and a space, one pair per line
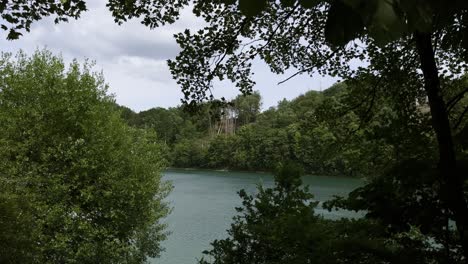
204, 203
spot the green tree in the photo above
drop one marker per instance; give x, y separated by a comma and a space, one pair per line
166, 122
92, 185
16, 228
247, 107
189, 153
221, 151
278, 225
127, 114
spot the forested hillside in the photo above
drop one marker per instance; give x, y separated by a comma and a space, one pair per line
328, 133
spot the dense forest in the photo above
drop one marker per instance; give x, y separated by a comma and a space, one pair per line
322, 131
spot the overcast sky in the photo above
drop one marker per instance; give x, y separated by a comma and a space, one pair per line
133, 58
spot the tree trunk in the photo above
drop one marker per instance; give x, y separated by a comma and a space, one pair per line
451, 177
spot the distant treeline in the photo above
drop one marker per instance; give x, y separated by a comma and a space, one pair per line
326, 132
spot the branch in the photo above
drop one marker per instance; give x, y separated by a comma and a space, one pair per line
373, 93
229, 47
367, 115
312, 67
221, 58
272, 35
248, 44
452, 102
460, 118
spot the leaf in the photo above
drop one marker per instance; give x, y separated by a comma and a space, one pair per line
13, 35
420, 15
365, 8
252, 8
386, 24
343, 24
288, 3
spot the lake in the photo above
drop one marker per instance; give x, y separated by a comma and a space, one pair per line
204, 203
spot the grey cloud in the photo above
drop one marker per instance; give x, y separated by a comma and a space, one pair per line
156, 51
133, 57
95, 35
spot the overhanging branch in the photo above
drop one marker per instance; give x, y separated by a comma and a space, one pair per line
460, 118
452, 102
312, 67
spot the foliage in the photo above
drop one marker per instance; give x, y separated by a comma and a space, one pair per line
310, 129
278, 225
16, 229
188, 154
164, 122
247, 108
345, 20
405, 197
90, 185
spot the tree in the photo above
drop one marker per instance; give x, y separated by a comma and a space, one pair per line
188, 153
127, 114
90, 185
278, 225
16, 228
403, 190
18, 15
247, 108
166, 123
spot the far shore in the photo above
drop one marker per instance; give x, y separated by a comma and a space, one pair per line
252, 171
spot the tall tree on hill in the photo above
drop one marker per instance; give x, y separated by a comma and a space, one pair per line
247, 108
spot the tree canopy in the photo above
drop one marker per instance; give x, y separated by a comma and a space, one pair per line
18, 15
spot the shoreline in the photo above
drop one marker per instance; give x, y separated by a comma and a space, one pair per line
253, 171
217, 170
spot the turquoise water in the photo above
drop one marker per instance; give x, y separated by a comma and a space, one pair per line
204, 203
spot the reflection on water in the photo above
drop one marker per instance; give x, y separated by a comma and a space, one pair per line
204, 203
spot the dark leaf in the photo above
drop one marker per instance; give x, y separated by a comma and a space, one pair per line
343, 24
252, 8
